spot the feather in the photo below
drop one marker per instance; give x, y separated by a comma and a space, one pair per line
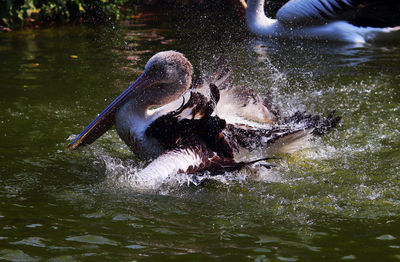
285, 137
301, 12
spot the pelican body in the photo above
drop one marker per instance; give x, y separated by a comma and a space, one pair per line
185, 134
314, 19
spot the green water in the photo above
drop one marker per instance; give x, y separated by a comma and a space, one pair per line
336, 200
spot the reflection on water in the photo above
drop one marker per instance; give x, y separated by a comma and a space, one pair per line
309, 54
337, 199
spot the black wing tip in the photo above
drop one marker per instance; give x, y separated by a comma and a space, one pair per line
330, 122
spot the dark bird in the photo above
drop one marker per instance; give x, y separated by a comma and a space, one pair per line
204, 126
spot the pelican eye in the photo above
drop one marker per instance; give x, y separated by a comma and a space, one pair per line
157, 68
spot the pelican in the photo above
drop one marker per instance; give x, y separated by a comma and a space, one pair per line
314, 19
189, 131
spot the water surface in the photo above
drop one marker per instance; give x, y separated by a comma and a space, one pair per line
338, 199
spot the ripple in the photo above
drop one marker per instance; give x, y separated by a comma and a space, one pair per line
93, 215
262, 250
31, 241
270, 239
93, 239
288, 259
386, 237
15, 255
34, 225
135, 247
165, 231
125, 217
65, 258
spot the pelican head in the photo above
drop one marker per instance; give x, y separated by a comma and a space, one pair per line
166, 77
168, 74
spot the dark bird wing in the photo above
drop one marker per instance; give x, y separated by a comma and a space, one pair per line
193, 138
285, 137
364, 13
303, 12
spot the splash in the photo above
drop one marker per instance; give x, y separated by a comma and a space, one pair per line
134, 174
129, 174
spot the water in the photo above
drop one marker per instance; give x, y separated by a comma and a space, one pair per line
336, 200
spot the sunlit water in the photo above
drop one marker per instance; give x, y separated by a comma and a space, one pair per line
338, 199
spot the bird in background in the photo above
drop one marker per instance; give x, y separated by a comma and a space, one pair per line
332, 20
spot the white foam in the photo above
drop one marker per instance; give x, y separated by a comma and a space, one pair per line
131, 174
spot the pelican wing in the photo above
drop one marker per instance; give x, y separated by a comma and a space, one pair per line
193, 119
303, 12
234, 100
193, 156
193, 138
286, 137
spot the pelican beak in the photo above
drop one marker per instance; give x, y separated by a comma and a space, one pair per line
106, 119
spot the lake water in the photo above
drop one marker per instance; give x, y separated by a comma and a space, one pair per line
338, 199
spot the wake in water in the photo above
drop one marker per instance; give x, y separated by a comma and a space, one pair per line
128, 174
